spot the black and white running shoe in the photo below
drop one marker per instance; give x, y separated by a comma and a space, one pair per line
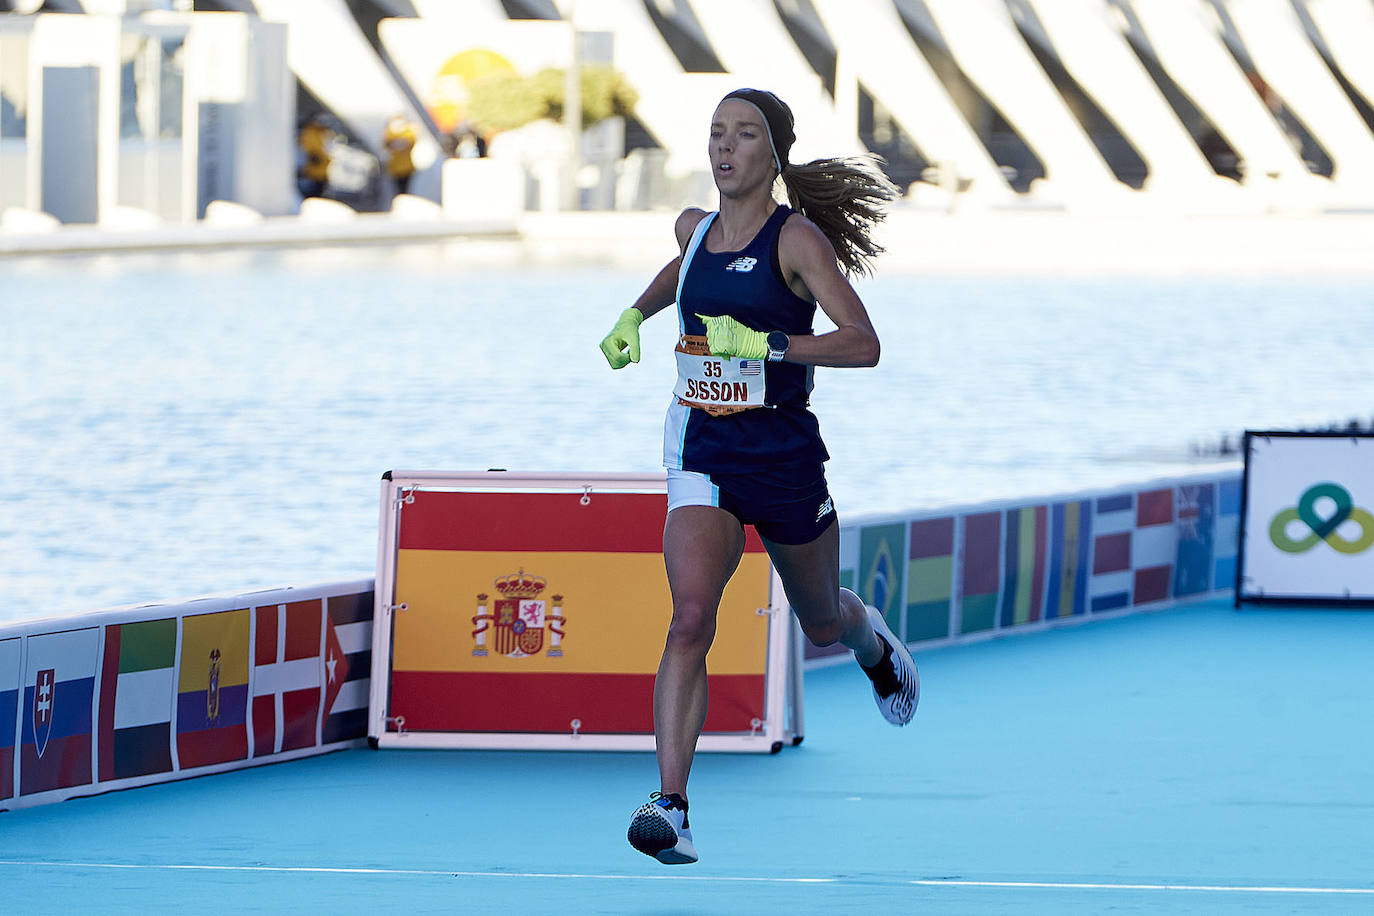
896, 683
659, 829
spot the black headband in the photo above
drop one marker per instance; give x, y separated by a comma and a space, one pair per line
777, 118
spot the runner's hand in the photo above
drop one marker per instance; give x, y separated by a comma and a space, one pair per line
624, 336
727, 337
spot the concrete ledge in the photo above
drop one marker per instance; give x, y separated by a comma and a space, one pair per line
327, 229
918, 240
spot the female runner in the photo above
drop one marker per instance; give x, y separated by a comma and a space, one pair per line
740, 445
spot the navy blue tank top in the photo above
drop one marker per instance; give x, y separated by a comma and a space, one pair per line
748, 286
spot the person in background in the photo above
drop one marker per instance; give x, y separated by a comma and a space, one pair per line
399, 140
468, 143
740, 444
313, 176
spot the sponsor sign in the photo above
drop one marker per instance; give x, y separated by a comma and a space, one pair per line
1307, 520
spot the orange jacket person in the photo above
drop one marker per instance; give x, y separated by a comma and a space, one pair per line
399, 141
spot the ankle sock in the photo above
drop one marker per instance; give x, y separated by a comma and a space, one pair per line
883, 674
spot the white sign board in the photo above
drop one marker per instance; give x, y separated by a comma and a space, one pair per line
1308, 517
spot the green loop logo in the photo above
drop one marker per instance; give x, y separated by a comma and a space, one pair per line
1323, 529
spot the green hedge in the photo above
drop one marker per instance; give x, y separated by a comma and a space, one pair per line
500, 103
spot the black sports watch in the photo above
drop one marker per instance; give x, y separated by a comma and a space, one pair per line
777, 346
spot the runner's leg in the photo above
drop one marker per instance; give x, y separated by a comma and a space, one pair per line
702, 546
827, 613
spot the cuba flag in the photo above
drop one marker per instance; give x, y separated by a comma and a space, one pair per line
59, 688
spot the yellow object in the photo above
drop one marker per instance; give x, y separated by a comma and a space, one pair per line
399, 141
621, 346
314, 140
615, 609
214, 647
727, 337
448, 94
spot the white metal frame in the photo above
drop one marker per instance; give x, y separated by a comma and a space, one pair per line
783, 697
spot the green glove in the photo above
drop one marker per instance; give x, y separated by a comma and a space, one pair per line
727, 337
624, 335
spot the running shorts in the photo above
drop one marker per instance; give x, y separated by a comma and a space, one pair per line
789, 505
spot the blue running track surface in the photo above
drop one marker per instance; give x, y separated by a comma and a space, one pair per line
1192, 760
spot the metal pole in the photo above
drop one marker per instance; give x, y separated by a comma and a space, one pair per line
572, 116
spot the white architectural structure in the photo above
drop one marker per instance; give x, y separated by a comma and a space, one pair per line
673, 105
752, 43
1184, 35
1347, 27
875, 49
1290, 64
1095, 52
985, 41
329, 54
203, 115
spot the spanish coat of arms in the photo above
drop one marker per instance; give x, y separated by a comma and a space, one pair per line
518, 619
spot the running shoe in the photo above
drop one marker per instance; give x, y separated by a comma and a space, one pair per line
659, 829
896, 683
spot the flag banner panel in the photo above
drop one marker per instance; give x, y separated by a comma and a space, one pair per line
9, 712
1024, 564
137, 696
548, 703
1195, 509
980, 582
519, 604
1154, 547
528, 612
930, 578
1024, 570
348, 667
1308, 518
1226, 536
1114, 525
59, 692
881, 574
212, 691
1070, 546
287, 675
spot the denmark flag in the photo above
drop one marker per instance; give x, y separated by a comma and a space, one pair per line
287, 677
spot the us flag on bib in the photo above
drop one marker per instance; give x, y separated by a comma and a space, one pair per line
286, 677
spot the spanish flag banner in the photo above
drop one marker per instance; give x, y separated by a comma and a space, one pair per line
546, 612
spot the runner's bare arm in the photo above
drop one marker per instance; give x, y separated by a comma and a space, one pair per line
662, 290
806, 255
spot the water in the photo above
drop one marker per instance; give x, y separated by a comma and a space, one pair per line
183, 424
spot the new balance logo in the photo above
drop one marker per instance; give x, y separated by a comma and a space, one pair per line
826, 508
742, 265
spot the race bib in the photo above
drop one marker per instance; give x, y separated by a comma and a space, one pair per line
716, 384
